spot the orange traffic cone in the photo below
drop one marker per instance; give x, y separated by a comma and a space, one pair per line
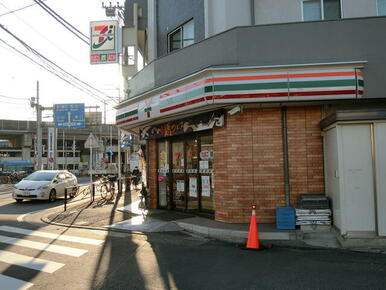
253, 235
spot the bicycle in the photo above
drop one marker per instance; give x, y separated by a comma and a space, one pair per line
106, 187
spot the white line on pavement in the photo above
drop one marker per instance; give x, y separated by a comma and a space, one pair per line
20, 218
51, 236
43, 246
13, 284
29, 262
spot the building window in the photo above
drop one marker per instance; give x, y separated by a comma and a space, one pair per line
182, 36
381, 7
321, 10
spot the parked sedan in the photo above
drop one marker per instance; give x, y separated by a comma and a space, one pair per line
44, 184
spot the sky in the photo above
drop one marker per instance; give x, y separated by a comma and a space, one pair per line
19, 75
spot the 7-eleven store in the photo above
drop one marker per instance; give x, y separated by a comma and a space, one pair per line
224, 139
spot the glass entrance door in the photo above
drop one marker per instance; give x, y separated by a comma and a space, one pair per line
178, 174
189, 174
163, 174
206, 172
192, 173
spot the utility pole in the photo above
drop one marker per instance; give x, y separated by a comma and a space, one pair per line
104, 105
39, 128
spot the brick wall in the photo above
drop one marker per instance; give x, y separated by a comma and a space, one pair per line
249, 162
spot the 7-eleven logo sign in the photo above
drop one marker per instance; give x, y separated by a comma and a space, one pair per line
103, 35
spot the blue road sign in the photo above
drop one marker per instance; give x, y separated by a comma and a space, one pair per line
69, 116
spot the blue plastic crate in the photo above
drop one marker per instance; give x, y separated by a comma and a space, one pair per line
285, 218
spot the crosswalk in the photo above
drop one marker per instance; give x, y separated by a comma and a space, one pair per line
32, 262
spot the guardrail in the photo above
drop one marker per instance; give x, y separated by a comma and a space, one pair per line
90, 189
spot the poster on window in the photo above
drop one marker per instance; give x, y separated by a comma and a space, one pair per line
204, 164
205, 184
192, 186
180, 185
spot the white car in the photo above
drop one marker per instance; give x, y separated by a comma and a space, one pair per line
44, 184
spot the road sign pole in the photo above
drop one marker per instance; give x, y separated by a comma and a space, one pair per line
90, 170
119, 153
63, 152
39, 128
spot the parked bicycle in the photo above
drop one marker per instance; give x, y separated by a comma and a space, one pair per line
106, 187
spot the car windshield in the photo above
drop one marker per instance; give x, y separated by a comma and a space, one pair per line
41, 176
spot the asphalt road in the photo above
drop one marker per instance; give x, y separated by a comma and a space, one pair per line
87, 259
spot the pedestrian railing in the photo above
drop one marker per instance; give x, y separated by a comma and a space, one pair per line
92, 190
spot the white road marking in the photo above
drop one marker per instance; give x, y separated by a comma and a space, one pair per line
13, 284
51, 236
43, 246
29, 262
20, 218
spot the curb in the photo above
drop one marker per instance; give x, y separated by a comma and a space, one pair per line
47, 221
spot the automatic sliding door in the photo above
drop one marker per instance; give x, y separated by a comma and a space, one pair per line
206, 172
163, 174
179, 198
192, 173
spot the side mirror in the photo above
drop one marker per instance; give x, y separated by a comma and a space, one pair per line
55, 181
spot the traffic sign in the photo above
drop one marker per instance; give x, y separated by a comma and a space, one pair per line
91, 142
69, 116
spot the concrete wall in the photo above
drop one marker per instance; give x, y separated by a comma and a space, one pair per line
222, 15
143, 21
172, 14
359, 8
278, 11
358, 39
281, 11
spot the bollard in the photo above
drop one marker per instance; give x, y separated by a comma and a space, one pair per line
93, 192
65, 199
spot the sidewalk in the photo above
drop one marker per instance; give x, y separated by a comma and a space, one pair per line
124, 215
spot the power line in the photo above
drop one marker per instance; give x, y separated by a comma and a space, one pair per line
14, 98
53, 72
64, 22
54, 67
21, 8
21, 105
41, 35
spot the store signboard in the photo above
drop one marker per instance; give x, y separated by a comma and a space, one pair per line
183, 126
104, 42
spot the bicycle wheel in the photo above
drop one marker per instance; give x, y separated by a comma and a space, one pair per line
105, 193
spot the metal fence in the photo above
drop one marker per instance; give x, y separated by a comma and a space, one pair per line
91, 191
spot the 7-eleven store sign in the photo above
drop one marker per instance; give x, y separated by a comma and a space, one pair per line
104, 44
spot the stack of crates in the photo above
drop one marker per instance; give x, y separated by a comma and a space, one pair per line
285, 218
313, 209
313, 201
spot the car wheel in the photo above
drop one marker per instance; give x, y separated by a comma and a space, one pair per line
19, 200
52, 196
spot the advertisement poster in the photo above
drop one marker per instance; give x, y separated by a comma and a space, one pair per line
193, 186
204, 164
180, 185
205, 182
